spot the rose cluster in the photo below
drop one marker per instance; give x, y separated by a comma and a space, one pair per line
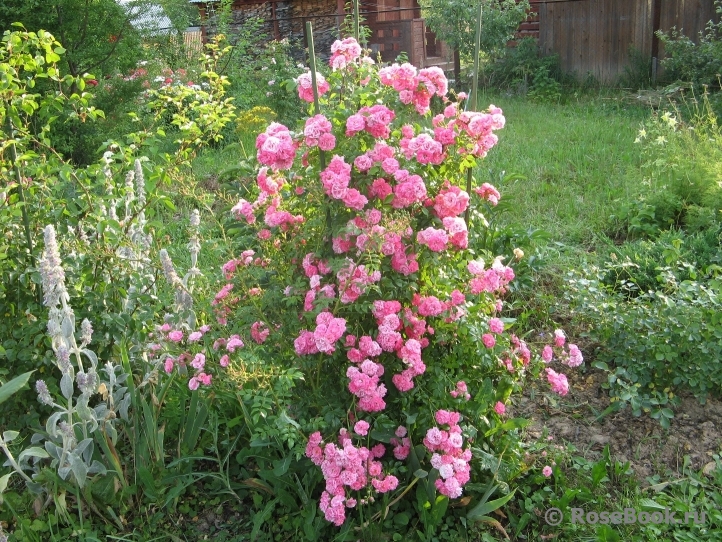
448, 455
347, 467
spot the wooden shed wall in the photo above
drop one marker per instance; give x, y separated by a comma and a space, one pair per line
595, 36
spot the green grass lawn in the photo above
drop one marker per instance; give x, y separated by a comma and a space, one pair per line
578, 160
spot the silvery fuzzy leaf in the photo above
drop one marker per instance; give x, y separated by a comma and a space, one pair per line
119, 379
80, 469
4, 482
91, 356
97, 468
66, 386
36, 438
68, 325
118, 395
87, 449
63, 472
112, 379
93, 426
9, 436
33, 451
100, 411
53, 450
83, 445
124, 406
51, 426
83, 410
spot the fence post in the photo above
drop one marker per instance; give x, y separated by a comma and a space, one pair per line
656, 23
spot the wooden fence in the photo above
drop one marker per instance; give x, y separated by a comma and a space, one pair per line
595, 36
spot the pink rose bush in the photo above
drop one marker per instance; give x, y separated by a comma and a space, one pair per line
356, 270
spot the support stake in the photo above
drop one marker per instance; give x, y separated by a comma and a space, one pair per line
474, 97
317, 111
356, 20
314, 83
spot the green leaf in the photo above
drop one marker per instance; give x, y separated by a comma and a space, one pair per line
259, 518
401, 519
383, 435
514, 423
167, 202
14, 386
281, 466
649, 504
606, 534
484, 507
599, 472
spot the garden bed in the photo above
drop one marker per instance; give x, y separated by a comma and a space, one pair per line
696, 430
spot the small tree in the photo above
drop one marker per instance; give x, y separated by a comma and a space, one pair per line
453, 23
100, 37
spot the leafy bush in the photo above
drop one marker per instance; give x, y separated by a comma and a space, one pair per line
262, 72
524, 70
647, 265
454, 22
367, 259
698, 63
682, 175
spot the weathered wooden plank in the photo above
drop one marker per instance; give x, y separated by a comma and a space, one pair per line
595, 36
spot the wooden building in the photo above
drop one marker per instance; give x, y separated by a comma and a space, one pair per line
396, 25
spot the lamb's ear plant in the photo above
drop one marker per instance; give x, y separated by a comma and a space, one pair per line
66, 447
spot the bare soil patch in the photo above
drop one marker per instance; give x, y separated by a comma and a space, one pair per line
696, 429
